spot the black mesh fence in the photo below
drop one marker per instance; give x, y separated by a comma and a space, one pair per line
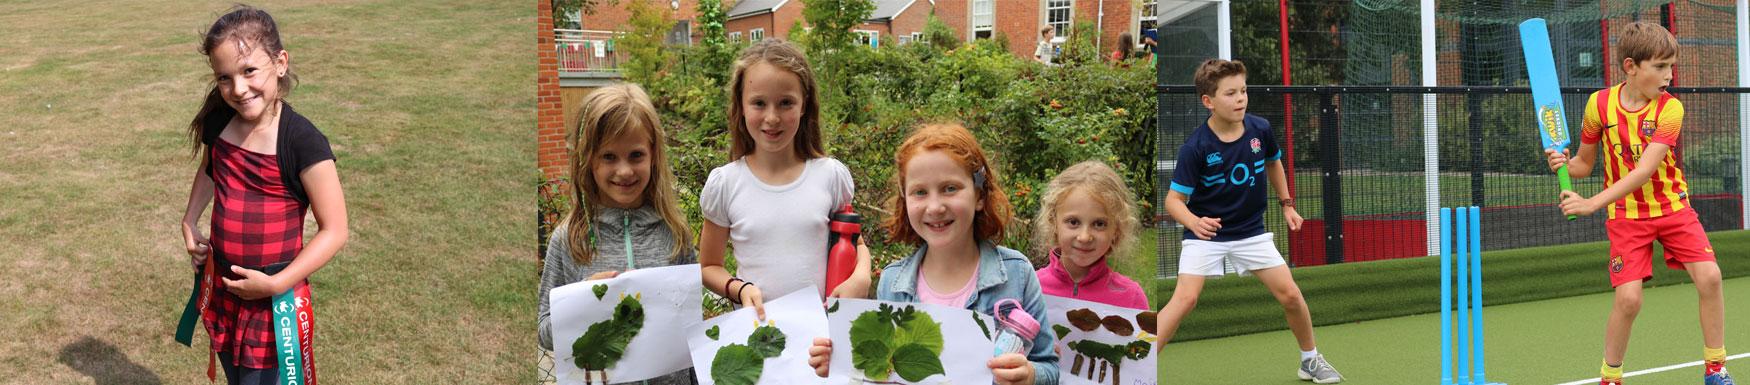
1358, 158
1357, 139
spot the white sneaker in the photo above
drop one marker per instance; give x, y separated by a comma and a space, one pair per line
1319, 371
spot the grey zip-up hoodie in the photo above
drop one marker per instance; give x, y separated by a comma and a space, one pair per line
618, 232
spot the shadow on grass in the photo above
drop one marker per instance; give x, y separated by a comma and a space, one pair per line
104, 363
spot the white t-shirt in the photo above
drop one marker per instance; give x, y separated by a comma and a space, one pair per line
779, 232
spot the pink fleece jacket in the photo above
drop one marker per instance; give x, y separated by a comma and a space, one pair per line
1100, 285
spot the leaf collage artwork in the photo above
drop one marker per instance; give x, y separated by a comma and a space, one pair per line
738, 364
608, 331
1095, 347
904, 343
898, 340
604, 343
737, 349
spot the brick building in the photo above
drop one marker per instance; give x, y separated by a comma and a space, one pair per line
1019, 21
901, 21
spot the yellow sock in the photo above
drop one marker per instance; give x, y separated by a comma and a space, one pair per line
1713, 355
1610, 372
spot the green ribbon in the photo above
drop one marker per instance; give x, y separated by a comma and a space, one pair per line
285, 323
190, 314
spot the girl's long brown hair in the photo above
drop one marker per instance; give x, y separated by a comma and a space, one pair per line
606, 114
254, 29
786, 56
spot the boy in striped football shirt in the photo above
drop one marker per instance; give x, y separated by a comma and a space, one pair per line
1636, 123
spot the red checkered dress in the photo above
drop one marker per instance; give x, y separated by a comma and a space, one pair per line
256, 222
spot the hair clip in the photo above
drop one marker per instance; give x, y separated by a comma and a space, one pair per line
978, 177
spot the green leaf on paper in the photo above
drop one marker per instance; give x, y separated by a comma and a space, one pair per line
736, 364
981, 326
922, 330
605, 342
1061, 331
600, 290
915, 362
874, 334
834, 308
712, 332
766, 341
870, 326
873, 358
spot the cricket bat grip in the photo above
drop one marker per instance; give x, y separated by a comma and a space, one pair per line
1567, 183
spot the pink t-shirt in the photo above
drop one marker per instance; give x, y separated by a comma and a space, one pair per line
955, 299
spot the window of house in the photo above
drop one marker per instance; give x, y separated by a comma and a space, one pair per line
1057, 15
756, 34
983, 18
735, 36
868, 38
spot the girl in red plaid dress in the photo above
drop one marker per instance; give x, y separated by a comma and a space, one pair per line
263, 166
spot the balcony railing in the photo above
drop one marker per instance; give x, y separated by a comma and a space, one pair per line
587, 50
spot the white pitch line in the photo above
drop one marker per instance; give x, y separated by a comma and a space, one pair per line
1594, 380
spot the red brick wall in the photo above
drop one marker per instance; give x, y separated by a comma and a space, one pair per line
549, 112
1118, 20
883, 28
911, 20
746, 24
956, 14
612, 16
786, 16
1018, 21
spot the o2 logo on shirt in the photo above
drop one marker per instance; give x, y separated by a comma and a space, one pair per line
1242, 175
1257, 145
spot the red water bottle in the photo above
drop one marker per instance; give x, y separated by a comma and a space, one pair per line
841, 256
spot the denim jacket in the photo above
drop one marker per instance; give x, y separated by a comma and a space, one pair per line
1002, 273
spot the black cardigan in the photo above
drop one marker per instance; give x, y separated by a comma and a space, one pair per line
299, 145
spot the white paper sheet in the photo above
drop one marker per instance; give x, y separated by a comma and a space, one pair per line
1102, 340
799, 316
669, 297
965, 353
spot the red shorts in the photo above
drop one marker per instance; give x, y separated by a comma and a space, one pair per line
1631, 245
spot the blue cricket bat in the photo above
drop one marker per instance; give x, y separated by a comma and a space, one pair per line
1546, 92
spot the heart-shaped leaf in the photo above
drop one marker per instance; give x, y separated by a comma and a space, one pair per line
915, 362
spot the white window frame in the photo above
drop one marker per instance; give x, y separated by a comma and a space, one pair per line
867, 37
988, 14
902, 39
754, 35
1060, 27
1150, 10
735, 36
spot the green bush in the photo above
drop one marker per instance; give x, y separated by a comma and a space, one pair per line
1033, 120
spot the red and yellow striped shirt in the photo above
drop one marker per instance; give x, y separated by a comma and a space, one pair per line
1625, 134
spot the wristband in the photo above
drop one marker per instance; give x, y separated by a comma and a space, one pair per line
738, 290
726, 289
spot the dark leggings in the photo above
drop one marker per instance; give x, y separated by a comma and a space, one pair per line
247, 376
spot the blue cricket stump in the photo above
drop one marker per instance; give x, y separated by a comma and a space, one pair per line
1461, 246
